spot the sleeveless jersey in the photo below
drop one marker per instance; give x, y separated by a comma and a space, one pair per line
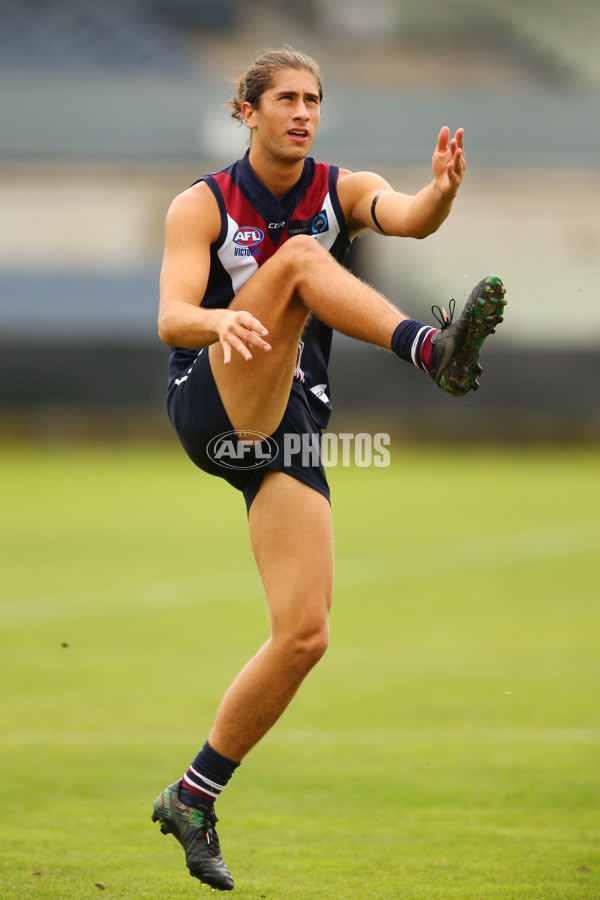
254, 223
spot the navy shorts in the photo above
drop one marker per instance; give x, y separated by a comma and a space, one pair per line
207, 436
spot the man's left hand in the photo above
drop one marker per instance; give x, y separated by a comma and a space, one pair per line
448, 161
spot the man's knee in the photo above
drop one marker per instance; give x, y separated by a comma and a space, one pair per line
304, 646
298, 253
312, 647
305, 651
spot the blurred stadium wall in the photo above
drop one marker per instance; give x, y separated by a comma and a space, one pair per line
110, 109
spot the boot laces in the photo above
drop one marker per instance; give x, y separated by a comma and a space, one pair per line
442, 316
208, 832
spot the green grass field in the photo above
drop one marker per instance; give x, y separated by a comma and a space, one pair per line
448, 745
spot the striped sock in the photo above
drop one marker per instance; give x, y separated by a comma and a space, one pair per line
206, 777
412, 341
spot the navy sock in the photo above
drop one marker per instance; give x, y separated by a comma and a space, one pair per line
412, 341
206, 777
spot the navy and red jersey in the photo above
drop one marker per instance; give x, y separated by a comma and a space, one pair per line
254, 223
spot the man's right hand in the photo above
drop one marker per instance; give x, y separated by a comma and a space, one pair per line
239, 330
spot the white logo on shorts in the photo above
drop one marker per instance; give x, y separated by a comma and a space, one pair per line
242, 450
319, 391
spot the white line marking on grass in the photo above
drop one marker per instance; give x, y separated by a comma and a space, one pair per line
314, 737
489, 551
109, 601
439, 736
483, 552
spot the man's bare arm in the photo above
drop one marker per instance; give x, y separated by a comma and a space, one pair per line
192, 225
369, 201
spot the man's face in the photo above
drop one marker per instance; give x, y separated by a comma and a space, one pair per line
285, 124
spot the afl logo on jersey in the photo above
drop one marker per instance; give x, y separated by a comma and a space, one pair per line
246, 240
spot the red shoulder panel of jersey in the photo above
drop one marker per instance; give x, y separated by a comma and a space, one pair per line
312, 200
251, 235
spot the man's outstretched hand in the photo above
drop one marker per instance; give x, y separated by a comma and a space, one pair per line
448, 161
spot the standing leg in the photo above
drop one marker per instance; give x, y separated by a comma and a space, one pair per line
290, 530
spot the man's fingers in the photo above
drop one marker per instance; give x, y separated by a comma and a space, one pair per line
240, 342
233, 342
444, 143
256, 340
241, 331
252, 324
459, 161
443, 138
243, 350
252, 331
454, 170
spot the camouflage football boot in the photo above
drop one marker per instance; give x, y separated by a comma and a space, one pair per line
194, 828
458, 344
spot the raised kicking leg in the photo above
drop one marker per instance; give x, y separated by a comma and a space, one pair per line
303, 278
299, 279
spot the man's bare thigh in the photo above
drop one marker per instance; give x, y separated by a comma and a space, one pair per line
255, 392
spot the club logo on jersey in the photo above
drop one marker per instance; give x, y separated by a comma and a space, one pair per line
246, 240
319, 223
242, 450
315, 225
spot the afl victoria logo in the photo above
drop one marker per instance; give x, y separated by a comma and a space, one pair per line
248, 236
242, 450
